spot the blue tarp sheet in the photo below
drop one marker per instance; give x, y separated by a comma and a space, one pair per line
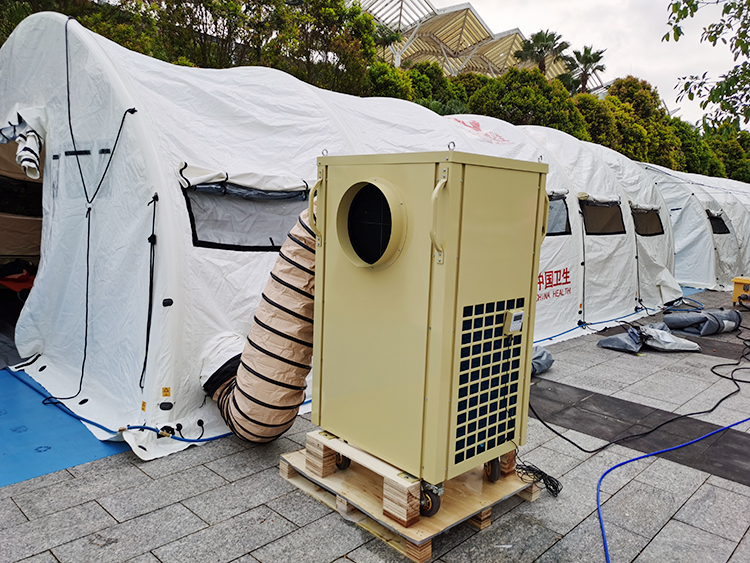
37, 439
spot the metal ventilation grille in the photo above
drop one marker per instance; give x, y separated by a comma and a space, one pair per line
489, 375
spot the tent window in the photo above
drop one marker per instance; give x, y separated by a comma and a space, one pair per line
558, 222
647, 223
242, 219
20, 197
602, 219
718, 226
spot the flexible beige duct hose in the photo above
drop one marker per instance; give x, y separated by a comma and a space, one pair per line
261, 402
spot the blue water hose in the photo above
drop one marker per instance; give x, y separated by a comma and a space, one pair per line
69, 412
599, 484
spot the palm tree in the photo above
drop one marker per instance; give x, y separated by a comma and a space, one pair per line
384, 37
543, 45
587, 63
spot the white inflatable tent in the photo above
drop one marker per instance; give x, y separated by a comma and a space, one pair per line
610, 271
166, 191
653, 230
560, 284
735, 201
140, 127
707, 253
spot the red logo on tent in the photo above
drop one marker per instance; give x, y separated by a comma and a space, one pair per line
552, 283
490, 136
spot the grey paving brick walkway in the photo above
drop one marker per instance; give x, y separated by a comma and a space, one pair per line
225, 501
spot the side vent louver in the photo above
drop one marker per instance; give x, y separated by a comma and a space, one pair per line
489, 371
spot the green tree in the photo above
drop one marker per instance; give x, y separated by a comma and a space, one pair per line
439, 85
385, 37
642, 97
336, 44
633, 137
390, 82
12, 12
663, 144
733, 156
451, 107
571, 83
209, 34
525, 97
600, 120
543, 46
128, 25
731, 91
470, 81
727, 140
421, 83
699, 158
743, 138
587, 62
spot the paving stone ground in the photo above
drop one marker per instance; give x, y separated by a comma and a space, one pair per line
225, 501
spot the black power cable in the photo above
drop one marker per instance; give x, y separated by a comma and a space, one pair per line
530, 473
731, 377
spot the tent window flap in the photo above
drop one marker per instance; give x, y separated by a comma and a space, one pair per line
647, 222
718, 226
558, 222
251, 220
602, 219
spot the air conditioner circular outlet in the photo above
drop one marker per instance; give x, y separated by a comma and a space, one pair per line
371, 224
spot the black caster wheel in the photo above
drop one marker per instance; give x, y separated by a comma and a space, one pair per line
492, 470
342, 462
430, 503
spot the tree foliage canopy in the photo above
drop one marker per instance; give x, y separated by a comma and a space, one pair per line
525, 97
333, 44
730, 91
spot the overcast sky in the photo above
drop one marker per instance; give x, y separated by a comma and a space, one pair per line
630, 31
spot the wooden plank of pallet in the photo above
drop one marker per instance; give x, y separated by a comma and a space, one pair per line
330, 500
401, 491
464, 496
481, 520
320, 459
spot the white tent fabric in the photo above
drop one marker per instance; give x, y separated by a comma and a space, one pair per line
124, 341
560, 284
734, 199
703, 259
89, 310
656, 282
610, 279
29, 150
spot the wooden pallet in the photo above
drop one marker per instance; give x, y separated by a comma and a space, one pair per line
369, 493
